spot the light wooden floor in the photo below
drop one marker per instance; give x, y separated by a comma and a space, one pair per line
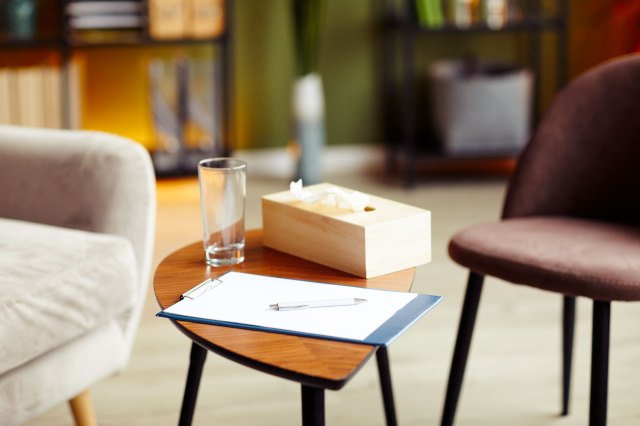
512, 377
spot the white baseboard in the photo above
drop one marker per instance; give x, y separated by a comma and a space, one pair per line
341, 159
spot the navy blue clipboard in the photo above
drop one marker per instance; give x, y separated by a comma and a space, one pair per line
384, 335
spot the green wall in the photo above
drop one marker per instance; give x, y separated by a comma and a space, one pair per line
350, 65
264, 72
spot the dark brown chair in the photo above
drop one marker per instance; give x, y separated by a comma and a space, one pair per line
570, 222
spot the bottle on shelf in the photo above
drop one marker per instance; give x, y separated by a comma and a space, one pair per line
20, 18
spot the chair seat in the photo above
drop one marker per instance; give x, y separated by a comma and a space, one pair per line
52, 286
572, 256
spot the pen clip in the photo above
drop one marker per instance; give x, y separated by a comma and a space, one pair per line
201, 289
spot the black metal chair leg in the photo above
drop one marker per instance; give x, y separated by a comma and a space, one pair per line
463, 342
196, 364
382, 358
599, 363
312, 406
568, 325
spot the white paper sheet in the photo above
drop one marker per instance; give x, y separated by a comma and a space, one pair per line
245, 298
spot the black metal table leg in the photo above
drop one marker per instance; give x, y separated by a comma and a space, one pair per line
196, 363
382, 357
312, 406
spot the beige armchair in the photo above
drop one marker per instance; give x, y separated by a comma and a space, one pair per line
77, 222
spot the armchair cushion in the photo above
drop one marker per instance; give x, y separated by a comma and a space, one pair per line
57, 284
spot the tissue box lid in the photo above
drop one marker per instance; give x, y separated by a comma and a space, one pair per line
387, 237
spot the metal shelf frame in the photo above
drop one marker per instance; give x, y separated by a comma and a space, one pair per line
401, 30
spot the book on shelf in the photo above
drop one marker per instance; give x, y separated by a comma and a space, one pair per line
195, 19
83, 22
166, 19
30, 100
465, 13
104, 21
495, 13
185, 106
203, 105
430, 13
52, 93
163, 90
31, 96
104, 7
8, 97
75, 82
106, 35
205, 18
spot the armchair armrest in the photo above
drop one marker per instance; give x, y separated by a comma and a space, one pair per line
85, 180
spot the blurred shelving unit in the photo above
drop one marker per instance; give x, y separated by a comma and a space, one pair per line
60, 37
402, 28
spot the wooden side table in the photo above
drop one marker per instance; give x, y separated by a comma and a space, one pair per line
316, 364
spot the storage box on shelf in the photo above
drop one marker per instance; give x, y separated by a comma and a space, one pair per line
480, 108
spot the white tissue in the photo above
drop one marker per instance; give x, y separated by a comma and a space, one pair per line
355, 201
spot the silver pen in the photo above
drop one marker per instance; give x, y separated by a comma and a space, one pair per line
326, 303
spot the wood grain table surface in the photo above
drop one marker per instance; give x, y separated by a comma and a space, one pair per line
310, 361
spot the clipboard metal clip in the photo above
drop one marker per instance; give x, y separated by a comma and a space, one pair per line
201, 289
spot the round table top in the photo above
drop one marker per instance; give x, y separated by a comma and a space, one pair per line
310, 361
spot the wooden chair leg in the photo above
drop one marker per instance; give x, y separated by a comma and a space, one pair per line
463, 342
599, 363
568, 325
82, 409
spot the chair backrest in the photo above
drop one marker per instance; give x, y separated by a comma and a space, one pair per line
584, 158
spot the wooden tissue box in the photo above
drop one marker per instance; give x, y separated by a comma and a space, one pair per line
387, 237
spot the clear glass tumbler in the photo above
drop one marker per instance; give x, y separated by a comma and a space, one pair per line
222, 199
